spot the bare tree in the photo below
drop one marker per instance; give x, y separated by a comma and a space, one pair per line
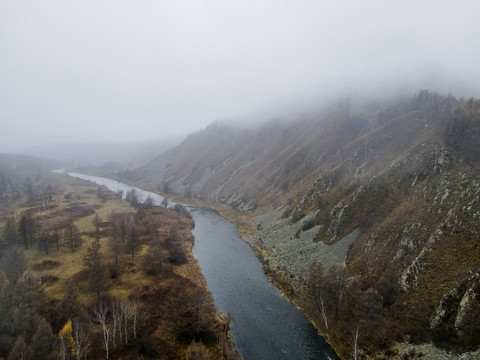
133, 241
126, 223
100, 317
120, 194
135, 316
19, 350
119, 228
126, 315
115, 244
317, 287
46, 201
117, 322
26, 228
72, 235
56, 238
149, 202
338, 281
132, 197
164, 202
63, 351
355, 336
166, 187
102, 195
97, 223
322, 309
123, 229
83, 341
44, 241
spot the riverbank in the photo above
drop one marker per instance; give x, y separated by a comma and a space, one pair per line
264, 325
157, 267
291, 288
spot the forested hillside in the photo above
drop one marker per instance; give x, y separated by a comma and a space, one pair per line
86, 275
366, 214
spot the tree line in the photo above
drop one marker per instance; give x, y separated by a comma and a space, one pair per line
349, 308
33, 326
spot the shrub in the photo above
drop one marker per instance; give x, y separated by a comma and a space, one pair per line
196, 351
177, 254
152, 262
179, 208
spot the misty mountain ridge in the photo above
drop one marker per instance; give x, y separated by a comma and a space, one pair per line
288, 149
400, 179
19, 162
110, 154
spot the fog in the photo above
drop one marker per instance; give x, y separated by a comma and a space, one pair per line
83, 71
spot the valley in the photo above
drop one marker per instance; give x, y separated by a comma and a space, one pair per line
241, 180
263, 324
384, 195
363, 214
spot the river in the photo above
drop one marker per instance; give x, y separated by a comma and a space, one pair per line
265, 325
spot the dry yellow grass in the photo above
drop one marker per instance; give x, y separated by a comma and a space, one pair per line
71, 263
159, 295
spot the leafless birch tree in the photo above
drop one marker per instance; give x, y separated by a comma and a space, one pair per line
100, 317
83, 341
355, 336
135, 316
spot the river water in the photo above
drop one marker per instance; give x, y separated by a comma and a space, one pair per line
265, 326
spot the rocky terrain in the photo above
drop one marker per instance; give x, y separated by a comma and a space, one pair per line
290, 247
387, 190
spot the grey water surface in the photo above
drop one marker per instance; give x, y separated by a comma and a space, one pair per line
265, 326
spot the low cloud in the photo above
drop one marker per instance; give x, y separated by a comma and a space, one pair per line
124, 70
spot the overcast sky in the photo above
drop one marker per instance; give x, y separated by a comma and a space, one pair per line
82, 70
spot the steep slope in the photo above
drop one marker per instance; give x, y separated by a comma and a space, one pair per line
391, 191
226, 164
250, 168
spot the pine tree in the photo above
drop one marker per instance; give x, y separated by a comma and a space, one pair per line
97, 271
42, 346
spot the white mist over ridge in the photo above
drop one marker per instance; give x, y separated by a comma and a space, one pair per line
86, 71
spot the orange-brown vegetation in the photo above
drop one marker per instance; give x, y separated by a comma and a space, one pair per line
146, 293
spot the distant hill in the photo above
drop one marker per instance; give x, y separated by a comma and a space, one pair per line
404, 175
20, 174
99, 153
17, 161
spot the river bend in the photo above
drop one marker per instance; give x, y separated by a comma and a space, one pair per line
265, 326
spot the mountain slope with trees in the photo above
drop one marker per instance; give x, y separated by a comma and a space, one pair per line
401, 178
